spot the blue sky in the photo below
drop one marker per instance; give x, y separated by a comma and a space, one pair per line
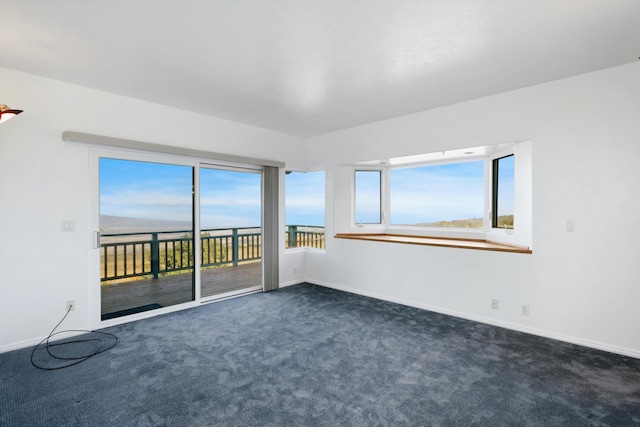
428, 194
145, 190
232, 199
436, 193
227, 198
304, 198
506, 190
159, 191
368, 187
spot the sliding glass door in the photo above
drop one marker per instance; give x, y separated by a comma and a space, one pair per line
148, 217
146, 229
230, 231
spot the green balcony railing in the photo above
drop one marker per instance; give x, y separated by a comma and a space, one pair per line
152, 254
298, 236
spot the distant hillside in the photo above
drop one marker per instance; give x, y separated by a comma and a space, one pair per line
505, 220
119, 224
469, 223
458, 223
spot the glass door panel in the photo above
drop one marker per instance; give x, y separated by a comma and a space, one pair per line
230, 231
146, 245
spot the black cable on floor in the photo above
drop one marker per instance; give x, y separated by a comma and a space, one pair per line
71, 360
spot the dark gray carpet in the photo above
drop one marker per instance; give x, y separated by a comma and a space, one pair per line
311, 356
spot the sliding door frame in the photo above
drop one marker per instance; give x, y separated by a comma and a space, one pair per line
226, 167
196, 163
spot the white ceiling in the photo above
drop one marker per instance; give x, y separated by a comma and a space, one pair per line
310, 67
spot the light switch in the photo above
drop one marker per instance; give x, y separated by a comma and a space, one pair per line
68, 225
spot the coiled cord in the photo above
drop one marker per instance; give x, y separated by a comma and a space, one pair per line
62, 362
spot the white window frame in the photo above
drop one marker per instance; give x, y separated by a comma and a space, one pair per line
490, 191
384, 197
284, 215
520, 235
471, 233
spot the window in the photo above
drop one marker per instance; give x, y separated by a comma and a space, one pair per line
368, 197
444, 195
463, 193
304, 209
503, 199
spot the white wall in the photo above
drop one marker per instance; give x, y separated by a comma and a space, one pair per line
585, 131
44, 180
581, 287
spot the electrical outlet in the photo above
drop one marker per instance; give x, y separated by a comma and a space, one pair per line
525, 310
570, 226
295, 270
71, 305
494, 304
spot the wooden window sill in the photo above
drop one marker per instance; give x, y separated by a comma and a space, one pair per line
477, 244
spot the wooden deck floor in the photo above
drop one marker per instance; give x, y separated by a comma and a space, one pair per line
178, 288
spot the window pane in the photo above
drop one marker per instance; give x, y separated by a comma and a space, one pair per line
146, 244
450, 195
230, 231
230, 199
504, 192
304, 209
368, 197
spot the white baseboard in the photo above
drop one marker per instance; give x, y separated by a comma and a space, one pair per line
33, 342
19, 345
533, 331
290, 283
507, 325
